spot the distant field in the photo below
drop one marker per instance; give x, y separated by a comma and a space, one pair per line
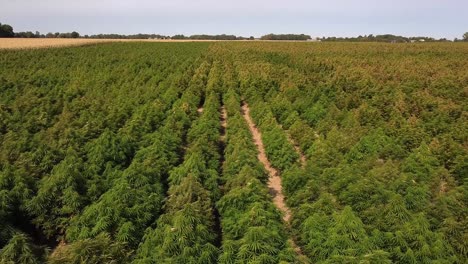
25, 43
15, 43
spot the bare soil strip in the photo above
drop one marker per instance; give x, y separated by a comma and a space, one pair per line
298, 150
223, 123
222, 145
222, 139
274, 180
35, 43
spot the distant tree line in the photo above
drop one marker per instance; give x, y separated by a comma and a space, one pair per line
285, 37
212, 37
383, 38
465, 37
119, 36
179, 36
29, 34
6, 31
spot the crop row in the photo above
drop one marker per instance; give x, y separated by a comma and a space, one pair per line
379, 185
252, 226
84, 160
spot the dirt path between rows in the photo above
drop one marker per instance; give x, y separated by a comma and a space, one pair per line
298, 150
274, 179
222, 146
223, 123
302, 157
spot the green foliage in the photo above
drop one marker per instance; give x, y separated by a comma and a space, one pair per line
89, 135
184, 233
6, 31
127, 208
19, 249
117, 151
339, 237
60, 195
375, 139
98, 250
252, 227
279, 150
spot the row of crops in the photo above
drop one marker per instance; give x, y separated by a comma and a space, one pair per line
117, 153
385, 131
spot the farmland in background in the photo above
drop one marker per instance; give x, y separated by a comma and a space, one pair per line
139, 152
28, 43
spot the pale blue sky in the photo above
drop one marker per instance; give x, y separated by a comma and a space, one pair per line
436, 18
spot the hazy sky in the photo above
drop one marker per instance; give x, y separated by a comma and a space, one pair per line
437, 18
